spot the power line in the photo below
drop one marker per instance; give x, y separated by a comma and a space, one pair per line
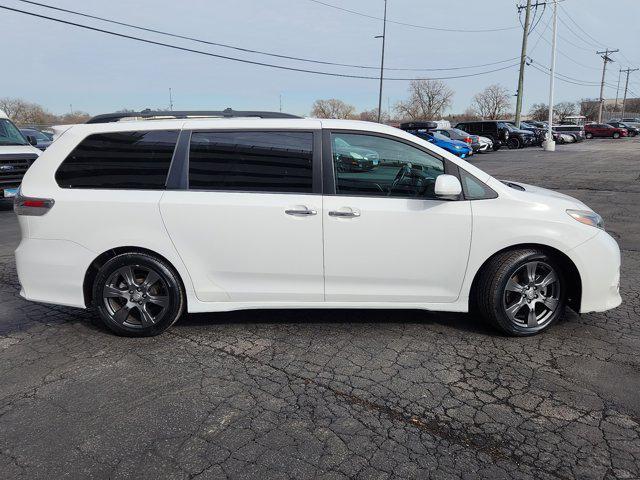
581, 29
248, 50
240, 60
440, 29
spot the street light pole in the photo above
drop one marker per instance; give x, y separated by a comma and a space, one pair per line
384, 37
550, 144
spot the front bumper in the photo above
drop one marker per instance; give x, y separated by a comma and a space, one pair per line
598, 261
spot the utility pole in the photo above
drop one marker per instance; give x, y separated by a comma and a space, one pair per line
618, 89
384, 37
170, 99
626, 86
549, 144
607, 59
523, 58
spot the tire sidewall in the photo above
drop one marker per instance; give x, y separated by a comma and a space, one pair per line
616, 135
498, 293
588, 135
176, 294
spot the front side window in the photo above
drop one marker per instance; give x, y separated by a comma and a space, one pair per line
276, 162
379, 166
119, 160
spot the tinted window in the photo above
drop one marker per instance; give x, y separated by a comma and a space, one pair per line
135, 160
252, 161
378, 166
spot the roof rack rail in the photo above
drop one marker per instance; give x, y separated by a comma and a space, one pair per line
150, 114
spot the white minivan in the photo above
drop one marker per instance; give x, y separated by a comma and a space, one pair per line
146, 219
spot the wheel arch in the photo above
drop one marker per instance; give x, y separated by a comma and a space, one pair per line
104, 257
569, 270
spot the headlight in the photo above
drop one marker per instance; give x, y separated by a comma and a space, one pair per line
587, 217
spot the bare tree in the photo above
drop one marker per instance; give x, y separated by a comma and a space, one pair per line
493, 102
28, 113
539, 112
372, 116
564, 109
428, 99
589, 108
332, 108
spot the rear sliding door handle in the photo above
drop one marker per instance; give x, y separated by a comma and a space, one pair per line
302, 212
344, 214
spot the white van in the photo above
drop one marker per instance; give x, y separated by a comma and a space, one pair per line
143, 220
16, 156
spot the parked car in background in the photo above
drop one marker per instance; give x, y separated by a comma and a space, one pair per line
576, 131
539, 133
426, 131
632, 131
592, 130
145, 220
487, 144
42, 140
632, 121
456, 134
16, 156
354, 159
500, 132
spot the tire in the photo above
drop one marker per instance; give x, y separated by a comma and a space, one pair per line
513, 143
505, 293
138, 295
588, 135
615, 135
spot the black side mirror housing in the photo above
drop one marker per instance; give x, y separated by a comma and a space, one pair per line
32, 140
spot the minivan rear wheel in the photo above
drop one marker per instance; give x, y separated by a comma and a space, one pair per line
521, 292
138, 295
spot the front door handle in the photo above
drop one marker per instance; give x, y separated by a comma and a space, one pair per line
344, 213
301, 212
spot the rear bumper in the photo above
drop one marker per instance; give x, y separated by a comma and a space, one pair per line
52, 271
598, 261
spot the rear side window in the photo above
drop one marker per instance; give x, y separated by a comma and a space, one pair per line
132, 160
277, 162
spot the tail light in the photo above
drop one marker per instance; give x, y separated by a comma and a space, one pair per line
468, 140
31, 206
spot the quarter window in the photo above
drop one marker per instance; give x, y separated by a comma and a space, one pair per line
279, 162
133, 160
379, 166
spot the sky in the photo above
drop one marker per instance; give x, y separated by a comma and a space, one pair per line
63, 67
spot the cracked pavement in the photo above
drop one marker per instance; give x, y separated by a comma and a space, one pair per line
337, 394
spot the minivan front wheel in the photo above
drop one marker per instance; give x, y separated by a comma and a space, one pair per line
521, 292
138, 295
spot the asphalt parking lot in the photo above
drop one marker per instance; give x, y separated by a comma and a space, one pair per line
337, 394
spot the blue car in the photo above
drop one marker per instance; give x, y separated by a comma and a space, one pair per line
425, 131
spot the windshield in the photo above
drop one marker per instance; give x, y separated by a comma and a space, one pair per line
9, 134
508, 126
36, 133
439, 136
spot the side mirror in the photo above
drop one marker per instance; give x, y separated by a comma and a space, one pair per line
32, 140
447, 187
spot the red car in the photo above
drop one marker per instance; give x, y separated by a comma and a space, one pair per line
603, 130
